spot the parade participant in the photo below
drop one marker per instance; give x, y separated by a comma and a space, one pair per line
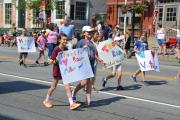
140, 45
87, 44
161, 39
23, 55
95, 40
57, 76
67, 29
116, 69
41, 42
177, 35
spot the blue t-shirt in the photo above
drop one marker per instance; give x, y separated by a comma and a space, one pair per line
91, 48
68, 30
141, 45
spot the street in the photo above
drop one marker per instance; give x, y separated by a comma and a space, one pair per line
22, 91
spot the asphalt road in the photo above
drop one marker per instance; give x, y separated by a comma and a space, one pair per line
22, 91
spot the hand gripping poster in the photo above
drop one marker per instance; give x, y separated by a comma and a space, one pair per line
74, 65
148, 60
26, 44
110, 53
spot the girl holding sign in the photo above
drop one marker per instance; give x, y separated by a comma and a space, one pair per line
57, 76
140, 45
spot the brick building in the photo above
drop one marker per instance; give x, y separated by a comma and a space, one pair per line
143, 22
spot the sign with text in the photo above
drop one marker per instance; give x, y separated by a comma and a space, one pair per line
26, 44
110, 53
75, 65
148, 60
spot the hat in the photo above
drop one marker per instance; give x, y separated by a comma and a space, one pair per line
87, 29
43, 31
117, 26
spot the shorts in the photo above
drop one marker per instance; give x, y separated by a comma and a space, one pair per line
116, 68
178, 39
161, 41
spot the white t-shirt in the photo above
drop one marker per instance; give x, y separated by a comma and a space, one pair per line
161, 33
178, 34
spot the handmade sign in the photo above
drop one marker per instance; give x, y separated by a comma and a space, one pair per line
75, 65
148, 60
110, 53
26, 44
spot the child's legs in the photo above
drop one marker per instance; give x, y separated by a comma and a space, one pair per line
81, 85
53, 86
68, 90
143, 75
113, 74
88, 91
119, 75
137, 72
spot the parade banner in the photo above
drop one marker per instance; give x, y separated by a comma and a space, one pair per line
110, 53
26, 44
75, 65
148, 60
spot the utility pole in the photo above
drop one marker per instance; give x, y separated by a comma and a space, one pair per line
133, 22
125, 18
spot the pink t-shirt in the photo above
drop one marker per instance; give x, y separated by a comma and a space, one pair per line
52, 37
41, 41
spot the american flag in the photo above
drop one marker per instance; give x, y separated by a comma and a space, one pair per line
155, 12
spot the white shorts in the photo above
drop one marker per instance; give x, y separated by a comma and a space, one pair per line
116, 68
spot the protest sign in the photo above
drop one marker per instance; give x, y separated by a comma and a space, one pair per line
75, 65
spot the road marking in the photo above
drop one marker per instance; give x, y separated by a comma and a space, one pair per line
101, 92
106, 70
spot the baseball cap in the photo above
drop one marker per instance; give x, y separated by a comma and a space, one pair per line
87, 29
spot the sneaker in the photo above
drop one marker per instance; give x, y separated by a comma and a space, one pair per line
37, 62
45, 64
74, 106
119, 88
133, 78
104, 82
20, 63
25, 65
47, 103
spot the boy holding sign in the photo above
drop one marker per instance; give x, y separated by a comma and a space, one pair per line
57, 76
140, 46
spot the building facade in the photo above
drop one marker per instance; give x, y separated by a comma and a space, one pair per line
80, 11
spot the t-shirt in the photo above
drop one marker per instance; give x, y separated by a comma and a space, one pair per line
41, 41
92, 51
141, 45
68, 30
52, 37
161, 33
56, 69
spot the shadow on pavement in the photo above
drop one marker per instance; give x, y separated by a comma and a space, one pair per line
103, 102
18, 86
36, 65
3, 117
161, 82
130, 87
2, 61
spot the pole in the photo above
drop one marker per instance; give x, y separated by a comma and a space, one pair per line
133, 21
125, 18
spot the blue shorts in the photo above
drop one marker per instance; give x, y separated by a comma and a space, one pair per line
161, 41
178, 39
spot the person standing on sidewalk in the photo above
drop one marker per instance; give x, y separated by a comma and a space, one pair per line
140, 46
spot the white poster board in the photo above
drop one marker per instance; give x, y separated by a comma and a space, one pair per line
75, 65
148, 60
110, 53
26, 44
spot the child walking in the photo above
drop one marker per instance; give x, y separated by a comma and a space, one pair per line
140, 45
116, 70
86, 43
57, 76
41, 41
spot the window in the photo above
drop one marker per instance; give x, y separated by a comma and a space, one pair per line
171, 14
160, 14
8, 13
60, 9
81, 10
168, 1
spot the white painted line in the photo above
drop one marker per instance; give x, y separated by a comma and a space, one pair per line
107, 93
